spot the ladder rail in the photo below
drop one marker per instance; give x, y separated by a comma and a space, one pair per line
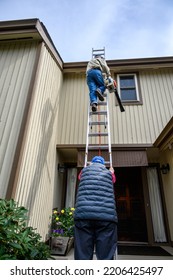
87, 136
109, 132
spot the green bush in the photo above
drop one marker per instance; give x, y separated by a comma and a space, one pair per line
17, 240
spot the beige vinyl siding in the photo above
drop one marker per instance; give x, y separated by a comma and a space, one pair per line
73, 114
73, 110
37, 174
157, 95
139, 124
16, 67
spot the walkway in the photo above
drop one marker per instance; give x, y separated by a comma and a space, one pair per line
70, 256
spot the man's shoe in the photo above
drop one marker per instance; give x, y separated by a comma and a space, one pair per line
99, 94
94, 107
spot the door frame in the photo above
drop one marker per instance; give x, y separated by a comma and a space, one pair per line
149, 222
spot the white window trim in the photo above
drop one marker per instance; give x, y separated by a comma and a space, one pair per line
136, 86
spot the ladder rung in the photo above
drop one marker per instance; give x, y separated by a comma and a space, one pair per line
99, 113
105, 147
106, 162
98, 134
102, 103
98, 52
98, 123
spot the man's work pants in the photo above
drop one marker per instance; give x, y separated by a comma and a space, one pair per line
95, 81
95, 234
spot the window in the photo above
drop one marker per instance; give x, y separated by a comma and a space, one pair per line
128, 88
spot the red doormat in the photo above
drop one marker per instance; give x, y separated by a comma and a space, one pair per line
142, 250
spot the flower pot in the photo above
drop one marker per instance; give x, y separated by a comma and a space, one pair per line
61, 245
70, 244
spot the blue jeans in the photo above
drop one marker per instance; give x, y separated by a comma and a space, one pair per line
95, 81
94, 233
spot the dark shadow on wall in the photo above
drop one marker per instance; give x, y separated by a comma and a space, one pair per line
47, 123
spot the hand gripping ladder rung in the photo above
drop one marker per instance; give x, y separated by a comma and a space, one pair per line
94, 121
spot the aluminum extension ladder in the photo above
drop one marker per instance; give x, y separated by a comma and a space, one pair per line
98, 127
98, 136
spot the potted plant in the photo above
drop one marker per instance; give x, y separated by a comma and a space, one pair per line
62, 231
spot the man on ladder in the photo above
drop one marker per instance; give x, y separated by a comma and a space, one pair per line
95, 211
96, 67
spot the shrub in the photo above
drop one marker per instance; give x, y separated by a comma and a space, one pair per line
17, 240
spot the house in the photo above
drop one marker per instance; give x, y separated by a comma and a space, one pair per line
43, 122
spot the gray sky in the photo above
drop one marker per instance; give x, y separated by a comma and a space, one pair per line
126, 28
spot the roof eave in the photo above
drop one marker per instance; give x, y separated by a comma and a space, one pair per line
120, 65
28, 29
165, 139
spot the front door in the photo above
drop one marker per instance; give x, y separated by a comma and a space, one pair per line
130, 205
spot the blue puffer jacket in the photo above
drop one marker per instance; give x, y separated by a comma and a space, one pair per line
95, 197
